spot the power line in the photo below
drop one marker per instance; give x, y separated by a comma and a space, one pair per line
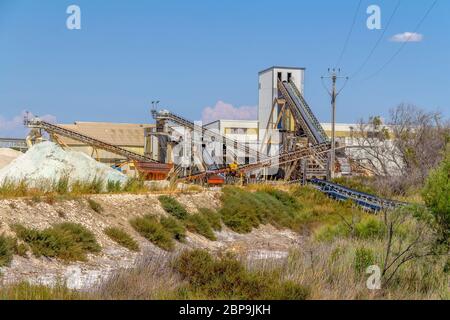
349, 34
405, 42
334, 76
361, 67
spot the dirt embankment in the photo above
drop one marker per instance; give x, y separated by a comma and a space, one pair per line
118, 209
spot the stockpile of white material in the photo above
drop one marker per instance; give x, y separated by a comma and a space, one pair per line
47, 162
7, 156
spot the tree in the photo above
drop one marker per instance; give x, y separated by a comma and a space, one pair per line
429, 234
401, 153
437, 196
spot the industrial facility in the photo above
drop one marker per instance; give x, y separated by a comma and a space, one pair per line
286, 142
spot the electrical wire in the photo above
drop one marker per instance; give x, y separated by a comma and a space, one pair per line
362, 66
349, 34
405, 42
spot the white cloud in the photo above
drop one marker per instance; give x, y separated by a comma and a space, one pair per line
14, 127
227, 111
407, 37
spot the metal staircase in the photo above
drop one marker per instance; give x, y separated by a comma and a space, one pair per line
55, 129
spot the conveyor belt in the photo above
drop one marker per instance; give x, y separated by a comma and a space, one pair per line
367, 201
302, 113
52, 128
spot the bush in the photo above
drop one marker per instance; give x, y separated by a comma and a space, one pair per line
151, 229
94, 205
212, 217
226, 278
94, 186
173, 207
197, 223
242, 210
113, 186
173, 226
370, 228
329, 233
363, 258
62, 185
66, 241
122, 238
13, 189
8, 247
436, 195
134, 185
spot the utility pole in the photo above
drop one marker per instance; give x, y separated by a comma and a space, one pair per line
334, 76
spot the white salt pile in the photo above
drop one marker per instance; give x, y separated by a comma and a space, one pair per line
7, 155
48, 162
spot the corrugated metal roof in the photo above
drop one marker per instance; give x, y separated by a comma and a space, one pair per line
120, 134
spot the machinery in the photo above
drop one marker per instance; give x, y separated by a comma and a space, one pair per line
147, 166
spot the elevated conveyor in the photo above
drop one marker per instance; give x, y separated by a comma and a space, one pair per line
268, 162
230, 143
58, 130
366, 201
302, 113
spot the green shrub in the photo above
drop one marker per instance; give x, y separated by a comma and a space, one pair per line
134, 185
226, 278
66, 241
197, 223
436, 195
61, 186
370, 228
94, 186
173, 207
367, 228
213, 218
121, 237
175, 227
151, 229
8, 247
94, 205
364, 257
328, 233
242, 210
113, 186
10, 188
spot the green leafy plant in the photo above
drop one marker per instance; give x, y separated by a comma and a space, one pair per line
150, 228
173, 207
121, 237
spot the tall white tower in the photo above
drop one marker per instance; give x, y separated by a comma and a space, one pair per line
268, 91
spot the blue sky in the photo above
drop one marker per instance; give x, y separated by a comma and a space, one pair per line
192, 54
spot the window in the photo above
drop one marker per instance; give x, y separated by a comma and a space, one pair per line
279, 75
289, 76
